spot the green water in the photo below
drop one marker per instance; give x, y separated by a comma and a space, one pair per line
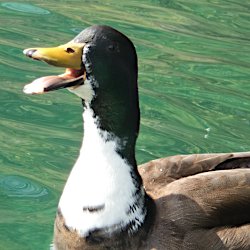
194, 60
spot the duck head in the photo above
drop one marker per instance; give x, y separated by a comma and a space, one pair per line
101, 68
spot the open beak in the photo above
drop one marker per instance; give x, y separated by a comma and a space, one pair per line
69, 56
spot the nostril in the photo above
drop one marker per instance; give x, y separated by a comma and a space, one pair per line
70, 50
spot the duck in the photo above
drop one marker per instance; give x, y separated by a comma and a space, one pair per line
196, 201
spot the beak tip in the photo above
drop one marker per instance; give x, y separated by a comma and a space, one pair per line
26, 90
29, 52
32, 89
25, 51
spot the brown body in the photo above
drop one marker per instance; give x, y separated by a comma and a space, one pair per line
202, 202
197, 201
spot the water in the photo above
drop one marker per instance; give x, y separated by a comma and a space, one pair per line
194, 59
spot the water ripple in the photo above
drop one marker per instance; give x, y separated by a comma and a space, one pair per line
19, 186
23, 7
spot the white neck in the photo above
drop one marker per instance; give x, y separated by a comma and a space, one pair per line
100, 179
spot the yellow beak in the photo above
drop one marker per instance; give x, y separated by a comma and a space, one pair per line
68, 55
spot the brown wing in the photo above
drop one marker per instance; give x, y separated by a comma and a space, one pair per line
203, 201
158, 173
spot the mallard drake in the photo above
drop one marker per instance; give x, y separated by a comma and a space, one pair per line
179, 202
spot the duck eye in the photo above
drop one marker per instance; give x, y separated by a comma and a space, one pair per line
70, 50
111, 47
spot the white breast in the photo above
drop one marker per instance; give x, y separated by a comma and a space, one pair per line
99, 177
